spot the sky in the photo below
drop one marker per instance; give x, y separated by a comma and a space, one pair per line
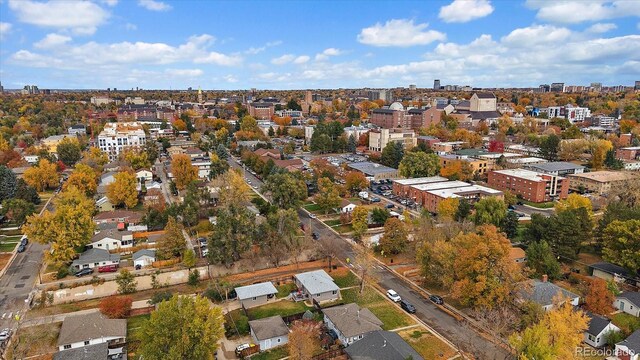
152, 44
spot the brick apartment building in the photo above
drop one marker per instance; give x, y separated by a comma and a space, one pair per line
530, 185
395, 116
601, 182
628, 153
261, 111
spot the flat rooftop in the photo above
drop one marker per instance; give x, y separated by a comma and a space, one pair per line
370, 168
464, 190
440, 185
498, 155
524, 174
527, 160
422, 180
605, 176
556, 166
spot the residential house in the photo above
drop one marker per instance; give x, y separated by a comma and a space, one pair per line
144, 257
112, 239
116, 165
51, 142
144, 175
629, 302
599, 328
517, 255
195, 152
77, 130
89, 352
346, 206
608, 271
382, 345
268, 153
256, 294
118, 216
95, 258
629, 348
544, 293
269, 332
103, 204
351, 322
317, 285
79, 331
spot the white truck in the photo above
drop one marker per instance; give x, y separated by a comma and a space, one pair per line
363, 195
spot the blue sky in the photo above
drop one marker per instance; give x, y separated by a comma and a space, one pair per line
317, 44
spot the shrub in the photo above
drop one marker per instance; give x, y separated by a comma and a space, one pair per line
116, 307
62, 272
194, 278
160, 297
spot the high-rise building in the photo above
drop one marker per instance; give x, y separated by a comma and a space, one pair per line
308, 98
557, 87
412, 87
1, 88
596, 86
30, 90
436, 84
637, 86
118, 136
199, 95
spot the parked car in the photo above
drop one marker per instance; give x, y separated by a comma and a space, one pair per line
313, 216
24, 240
375, 199
511, 207
205, 252
436, 299
391, 294
202, 241
84, 272
241, 347
389, 206
5, 334
22, 248
315, 236
408, 307
108, 268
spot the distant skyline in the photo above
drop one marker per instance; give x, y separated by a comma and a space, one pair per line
153, 44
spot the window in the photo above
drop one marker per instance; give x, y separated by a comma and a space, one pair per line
66, 347
334, 292
592, 338
86, 342
278, 340
254, 298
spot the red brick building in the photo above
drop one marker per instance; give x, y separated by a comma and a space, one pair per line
261, 111
530, 185
628, 153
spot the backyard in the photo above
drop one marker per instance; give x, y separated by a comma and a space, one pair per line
426, 344
134, 326
344, 278
272, 354
283, 308
35, 340
390, 315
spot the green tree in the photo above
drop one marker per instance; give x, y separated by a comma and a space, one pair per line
379, 215
69, 151
271, 133
151, 149
541, 260
464, 210
359, 221
392, 154
566, 232
8, 183
611, 162
509, 225
17, 210
419, 164
352, 144
222, 152
328, 197
189, 258
622, 243
536, 229
549, 147
395, 237
182, 327
126, 282
232, 236
490, 210
279, 235
286, 189
26, 192
293, 105
172, 243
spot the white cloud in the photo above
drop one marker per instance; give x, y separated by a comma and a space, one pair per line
110, 2
537, 34
327, 53
5, 28
230, 78
51, 41
600, 28
82, 17
184, 72
461, 11
154, 5
130, 27
281, 60
573, 11
257, 50
219, 59
301, 59
399, 32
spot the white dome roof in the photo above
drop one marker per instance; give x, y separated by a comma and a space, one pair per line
396, 106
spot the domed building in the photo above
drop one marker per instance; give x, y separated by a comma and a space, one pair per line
396, 106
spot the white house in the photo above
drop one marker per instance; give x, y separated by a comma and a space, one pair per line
350, 322
112, 239
599, 327
92, 329
317, 285
144, 257
144, 175
256, 294
104, 204
95, 258
346, 206
629, 348
269, 332
629, 302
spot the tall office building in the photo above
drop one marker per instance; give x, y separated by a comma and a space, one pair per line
637, 86
436, 84
557, 87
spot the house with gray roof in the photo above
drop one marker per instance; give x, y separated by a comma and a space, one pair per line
269, 332
599, 328
317, 285
629, 302
543, 292
95, 258
374, 170
629, 348
557, 168
90, 352
382, 345
351, 322
80, 331
256, 294
112, 239
143, 257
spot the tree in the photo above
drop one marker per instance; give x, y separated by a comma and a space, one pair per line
359, 221
122, 191
464, 210
26, 192
379, 215
42, 176
287, 190
549, 147
182, 327
599, 149
236, 189
8, 183
457, 170
395, 237
611, 162
69, 151
172, 243
189, 258
116, 307
17, 210
280, 237
574, 201
352, 144
222, 152
232, 236
621, 240
490, 210
419, 164
68, 228
322, 169
151, 149
183, 172
293, 105
355, 181
328, 196
126, 282
556, 336
218, 166
448, 208
541, 260
509, 225
84, 178
303, 339
567, 230
599, 298
392, 154
484, 275
95, 157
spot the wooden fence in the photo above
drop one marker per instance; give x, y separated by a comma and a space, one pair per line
331, 354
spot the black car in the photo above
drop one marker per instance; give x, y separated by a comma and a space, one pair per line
407, 307
22, 248
24, 241
315, 236
389, 206
436, 299
84, 272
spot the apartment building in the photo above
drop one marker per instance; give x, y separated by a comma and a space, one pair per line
261, 110
569, 112
557, 168
379, 138
472, 193
530, 185
601, 182
628, 153
402, 187
118, 136
480, 166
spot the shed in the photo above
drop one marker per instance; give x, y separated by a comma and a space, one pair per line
269, 332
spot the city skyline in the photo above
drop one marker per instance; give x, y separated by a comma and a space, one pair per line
241, 45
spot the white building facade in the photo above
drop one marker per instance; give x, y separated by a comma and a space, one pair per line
118, 136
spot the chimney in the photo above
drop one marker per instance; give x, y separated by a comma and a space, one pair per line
545, 278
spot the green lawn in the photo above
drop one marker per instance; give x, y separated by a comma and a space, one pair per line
390, 315
544, 205
312, 207
333, 222
343, 229
344, 278
11, 232
7, 247
239, 325
427, 345
285, 289
134, 326
628, 323
273, 354
282, 308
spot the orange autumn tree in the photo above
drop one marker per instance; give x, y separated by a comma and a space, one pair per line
457, 170
599, 298
183, 171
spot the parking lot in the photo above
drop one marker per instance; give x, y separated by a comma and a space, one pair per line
383, 188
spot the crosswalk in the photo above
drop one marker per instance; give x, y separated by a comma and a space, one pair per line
11, 315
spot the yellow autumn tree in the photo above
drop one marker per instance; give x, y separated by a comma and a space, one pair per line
42, 176
183, 172
122, 191
84, 178
574, 201
447, 208
599, 150
457, 170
